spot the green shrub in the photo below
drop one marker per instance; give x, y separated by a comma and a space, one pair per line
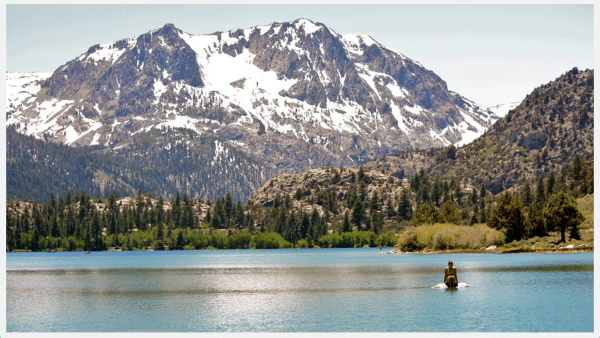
357, 239
303, 243
240, 240
270, 240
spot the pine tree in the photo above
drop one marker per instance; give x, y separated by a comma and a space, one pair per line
358, 213
35, 240
391, 213
304, 226
436, 193
577, 169
540, 196
376, 222
404, 206
561, 213
534, 224
229, 205
361, 174
179, 244
507, 215
314, 225
449, 213
352, 195
527, 196
423, 194
374, 204
550, 184
425, 214
346, 227
362, 191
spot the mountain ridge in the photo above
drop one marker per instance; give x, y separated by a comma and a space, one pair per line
325, 99
542, 134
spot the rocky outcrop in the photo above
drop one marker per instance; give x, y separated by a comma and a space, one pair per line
304, 190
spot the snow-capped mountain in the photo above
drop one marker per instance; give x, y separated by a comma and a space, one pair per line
294, 95
499, 111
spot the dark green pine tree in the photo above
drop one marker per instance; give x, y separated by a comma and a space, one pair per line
96, 231
423, 194
290, 233
346, 227
561, 213
436, 192
179, 243
54, 227
228, 206
482, 191
304, 226
376, 222
507, 215
352, 195
404, 206
527, 195
160, 238
362, 191
358, 213
540, 196
35, 240
160, 213
374, 204
391, 212
361, 174
535, 224
249, 224
577, 169
458, 194
238, 211
550, 184
313, 232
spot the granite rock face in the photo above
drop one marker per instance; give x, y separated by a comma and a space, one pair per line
305, 191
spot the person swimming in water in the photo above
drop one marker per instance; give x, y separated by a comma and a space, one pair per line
450, 277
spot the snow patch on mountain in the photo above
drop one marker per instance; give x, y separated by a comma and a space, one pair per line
471, 130
415, 109
107, 52
308, 26
502, 109
21, 87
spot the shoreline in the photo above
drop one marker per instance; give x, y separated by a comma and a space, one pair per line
390, 252
495, 251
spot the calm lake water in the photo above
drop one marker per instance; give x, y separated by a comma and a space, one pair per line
316, 290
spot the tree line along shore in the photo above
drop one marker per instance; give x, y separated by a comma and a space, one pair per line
424, 216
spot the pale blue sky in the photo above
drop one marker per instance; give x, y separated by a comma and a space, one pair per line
490, 54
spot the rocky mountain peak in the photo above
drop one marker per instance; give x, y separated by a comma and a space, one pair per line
293, 95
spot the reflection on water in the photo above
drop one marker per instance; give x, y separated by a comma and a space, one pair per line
353, 290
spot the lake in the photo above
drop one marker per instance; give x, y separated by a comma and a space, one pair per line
312, 290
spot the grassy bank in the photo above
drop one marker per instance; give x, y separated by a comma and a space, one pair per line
443, 238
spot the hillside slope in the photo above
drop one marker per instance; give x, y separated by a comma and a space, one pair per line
543, 134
